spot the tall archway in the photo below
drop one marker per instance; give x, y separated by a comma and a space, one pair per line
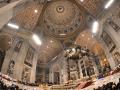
87, 39
56, 74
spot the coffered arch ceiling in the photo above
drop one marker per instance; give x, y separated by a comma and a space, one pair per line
27, 18
86, 38
49, 49
94, 7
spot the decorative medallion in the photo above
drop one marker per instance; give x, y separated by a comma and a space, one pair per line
60, 9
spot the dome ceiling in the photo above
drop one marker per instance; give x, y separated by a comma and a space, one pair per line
62, 18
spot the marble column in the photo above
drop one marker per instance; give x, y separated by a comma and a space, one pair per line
78, 71
63, 69
105, 48
108, 55
86, 60
44, 75
8, 57
114, 35
68, 69
95, 69
33, 70
50, 74
19, 64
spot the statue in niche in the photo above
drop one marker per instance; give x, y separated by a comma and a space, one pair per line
73, 76
18, 46
26, 74
72, 65
56, 77
90, 71
108, 40
11, 67
29, 57
114, 25
106, 68
117, 57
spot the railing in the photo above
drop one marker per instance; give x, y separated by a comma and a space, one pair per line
64, 87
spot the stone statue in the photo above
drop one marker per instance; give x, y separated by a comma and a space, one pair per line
11, 67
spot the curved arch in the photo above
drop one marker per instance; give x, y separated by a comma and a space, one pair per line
86, 38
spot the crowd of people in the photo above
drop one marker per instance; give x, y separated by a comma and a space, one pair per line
6, 86
110, 86
3, 86
7, 83
111, 72
116, 69
16, 85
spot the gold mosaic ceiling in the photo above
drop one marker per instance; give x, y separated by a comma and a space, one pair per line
94, 7
28, 18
